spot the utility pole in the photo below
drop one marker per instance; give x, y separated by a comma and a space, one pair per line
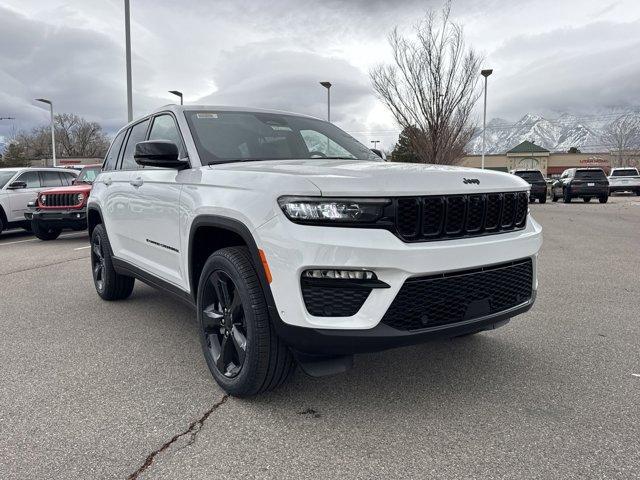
485, 74
53, 129
127, 38
375, 143
327, 85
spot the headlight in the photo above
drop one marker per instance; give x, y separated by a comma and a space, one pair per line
80, 197
333, 210
43, 199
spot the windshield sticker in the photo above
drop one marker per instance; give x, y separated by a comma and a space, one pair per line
207, 115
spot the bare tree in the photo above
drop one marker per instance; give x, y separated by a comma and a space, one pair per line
75, 137
622, 136
430, 87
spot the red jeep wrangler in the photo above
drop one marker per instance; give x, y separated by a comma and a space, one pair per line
62, 207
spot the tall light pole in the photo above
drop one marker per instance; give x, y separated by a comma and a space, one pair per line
327, 85
53, 130
127, 39
375, 143
485, 74
177, 93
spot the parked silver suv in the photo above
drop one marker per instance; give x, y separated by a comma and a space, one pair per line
19, 186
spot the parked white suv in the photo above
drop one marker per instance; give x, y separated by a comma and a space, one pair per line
19, 186
624, 179
296, 244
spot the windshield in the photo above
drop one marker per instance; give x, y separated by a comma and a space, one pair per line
531, 176
590, 175
88, 175
222, 137
627, 172
6, 176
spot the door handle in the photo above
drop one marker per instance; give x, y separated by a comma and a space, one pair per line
108, 181
136, 182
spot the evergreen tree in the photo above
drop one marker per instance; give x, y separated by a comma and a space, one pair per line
14, 156
404, 151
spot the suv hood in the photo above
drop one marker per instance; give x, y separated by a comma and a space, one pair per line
358, 177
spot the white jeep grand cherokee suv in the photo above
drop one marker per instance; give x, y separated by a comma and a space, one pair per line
296, 244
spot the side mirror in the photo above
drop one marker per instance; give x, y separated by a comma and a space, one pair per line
17, 185
159, 153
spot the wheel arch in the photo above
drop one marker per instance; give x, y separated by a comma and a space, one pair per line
94, 217
209, 233
3, 216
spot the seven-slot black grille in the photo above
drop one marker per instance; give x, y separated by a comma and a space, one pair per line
60, 200
431, 301
452, 216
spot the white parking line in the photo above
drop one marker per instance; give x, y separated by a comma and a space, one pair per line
636, 374
82, 248
38, 240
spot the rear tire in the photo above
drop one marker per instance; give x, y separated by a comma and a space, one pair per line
603, 199
45, 233
109, 284
242, 350
542, 199
586, 199
554, 199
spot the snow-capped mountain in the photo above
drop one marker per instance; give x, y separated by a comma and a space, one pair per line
557, 135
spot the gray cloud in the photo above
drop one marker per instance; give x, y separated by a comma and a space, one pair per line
547, 55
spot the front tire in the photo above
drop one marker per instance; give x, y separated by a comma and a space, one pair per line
109, 284
586, 199
542, 199
242, 350
603, 199
566, 196
45, 233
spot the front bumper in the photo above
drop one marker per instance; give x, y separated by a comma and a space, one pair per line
67, 218
393, 262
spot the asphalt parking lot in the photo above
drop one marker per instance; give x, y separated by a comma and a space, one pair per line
90, 389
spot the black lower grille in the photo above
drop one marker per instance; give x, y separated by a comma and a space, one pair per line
452, 216
325, 301
425, 302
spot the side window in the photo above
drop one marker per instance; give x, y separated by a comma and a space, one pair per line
51, 179
67, 178
137, 135
111, 160
165, 128
322, 145
32, 179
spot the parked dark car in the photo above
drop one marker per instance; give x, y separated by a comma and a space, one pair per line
585, 183
537, 182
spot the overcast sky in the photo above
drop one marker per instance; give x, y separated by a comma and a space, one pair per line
549, 56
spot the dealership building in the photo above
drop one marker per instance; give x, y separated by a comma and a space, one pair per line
529, 156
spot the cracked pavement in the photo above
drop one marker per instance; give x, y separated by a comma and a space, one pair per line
90, 389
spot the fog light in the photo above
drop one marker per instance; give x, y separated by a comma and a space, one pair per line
340, 274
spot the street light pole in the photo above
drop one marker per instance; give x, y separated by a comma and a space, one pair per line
177, 93
53, 130
327, 85
127, 39
485, 74
375, 143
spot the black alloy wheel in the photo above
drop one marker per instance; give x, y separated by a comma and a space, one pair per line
241, 347
223, 324
110, 285
97, 262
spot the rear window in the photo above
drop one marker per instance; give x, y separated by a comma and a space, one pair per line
590, 175
626, 172
531, 176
